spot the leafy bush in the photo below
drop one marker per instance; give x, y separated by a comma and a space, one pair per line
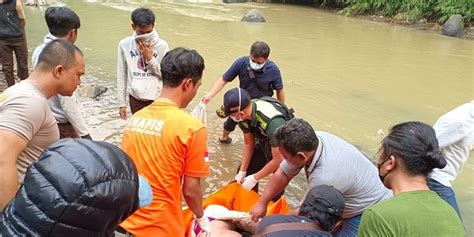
439, 10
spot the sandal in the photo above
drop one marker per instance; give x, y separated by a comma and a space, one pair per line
228, 140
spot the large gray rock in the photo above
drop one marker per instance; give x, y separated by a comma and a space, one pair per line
454, 26
253, 15
92, 91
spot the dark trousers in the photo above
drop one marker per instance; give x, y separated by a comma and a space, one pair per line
259, 160
7, 47
136, 104
66, 130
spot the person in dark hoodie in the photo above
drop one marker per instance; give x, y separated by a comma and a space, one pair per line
78, 187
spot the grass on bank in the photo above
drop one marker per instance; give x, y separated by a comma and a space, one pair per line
411, 10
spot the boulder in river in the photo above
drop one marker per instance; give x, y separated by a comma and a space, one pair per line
253, 15
454, 26
92, 91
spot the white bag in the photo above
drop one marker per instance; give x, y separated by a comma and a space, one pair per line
200, 112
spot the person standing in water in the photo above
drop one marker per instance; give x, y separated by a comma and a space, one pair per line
138, 66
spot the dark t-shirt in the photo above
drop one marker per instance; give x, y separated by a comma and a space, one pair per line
264, 82
276, 219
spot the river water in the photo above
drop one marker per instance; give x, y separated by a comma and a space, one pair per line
347, 76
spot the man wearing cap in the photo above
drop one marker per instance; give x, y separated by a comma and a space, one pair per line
259, 120
320, 214
326, 160
258, 75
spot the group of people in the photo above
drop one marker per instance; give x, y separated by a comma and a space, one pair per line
137, 189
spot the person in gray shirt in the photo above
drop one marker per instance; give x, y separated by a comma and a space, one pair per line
27, 125
326, 160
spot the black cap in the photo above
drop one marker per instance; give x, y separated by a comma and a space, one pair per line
326, 199
235, 100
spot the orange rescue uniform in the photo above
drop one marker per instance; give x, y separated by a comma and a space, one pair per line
165, 143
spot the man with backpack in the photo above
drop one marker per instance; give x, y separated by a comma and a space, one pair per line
258, 119
258, 75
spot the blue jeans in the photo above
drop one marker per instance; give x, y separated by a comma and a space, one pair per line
349, 227
446, 193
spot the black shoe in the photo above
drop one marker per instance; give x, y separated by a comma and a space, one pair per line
228, 140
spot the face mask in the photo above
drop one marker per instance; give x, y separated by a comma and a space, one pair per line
256, 66
237, 120
382, 178
150, 38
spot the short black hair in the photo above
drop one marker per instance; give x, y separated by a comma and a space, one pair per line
143, 17
415, 143
295, 136
324, 204
57, 52
61, 20
260, 49
181, 63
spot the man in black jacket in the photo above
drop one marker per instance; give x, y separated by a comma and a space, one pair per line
78, 187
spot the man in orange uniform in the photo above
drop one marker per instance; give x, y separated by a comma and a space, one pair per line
169, 148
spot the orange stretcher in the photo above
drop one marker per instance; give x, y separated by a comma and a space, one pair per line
235, 198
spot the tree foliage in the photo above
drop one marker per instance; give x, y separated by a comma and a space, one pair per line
439, 10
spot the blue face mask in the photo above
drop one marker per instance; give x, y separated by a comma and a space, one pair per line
256, 66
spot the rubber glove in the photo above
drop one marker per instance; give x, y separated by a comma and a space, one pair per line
240, 176
249, 182
203, 222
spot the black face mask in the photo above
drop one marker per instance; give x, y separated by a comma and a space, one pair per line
382, 178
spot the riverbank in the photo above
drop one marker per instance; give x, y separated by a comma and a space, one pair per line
420, 15
404, 20
422, 24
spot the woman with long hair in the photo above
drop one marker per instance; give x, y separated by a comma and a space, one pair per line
405, 159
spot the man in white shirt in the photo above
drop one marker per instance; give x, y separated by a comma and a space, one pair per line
63, 23
455, 133
138, 66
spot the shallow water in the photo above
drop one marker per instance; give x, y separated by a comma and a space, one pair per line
347, 76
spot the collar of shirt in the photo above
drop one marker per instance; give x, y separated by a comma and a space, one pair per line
165, 101
36, 88
316, 157
49, 37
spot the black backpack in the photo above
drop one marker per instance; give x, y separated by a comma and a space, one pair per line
288, 113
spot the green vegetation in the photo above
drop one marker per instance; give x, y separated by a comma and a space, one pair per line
411, 10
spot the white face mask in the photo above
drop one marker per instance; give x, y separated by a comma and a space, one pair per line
237, 120
150, 38
256, 66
